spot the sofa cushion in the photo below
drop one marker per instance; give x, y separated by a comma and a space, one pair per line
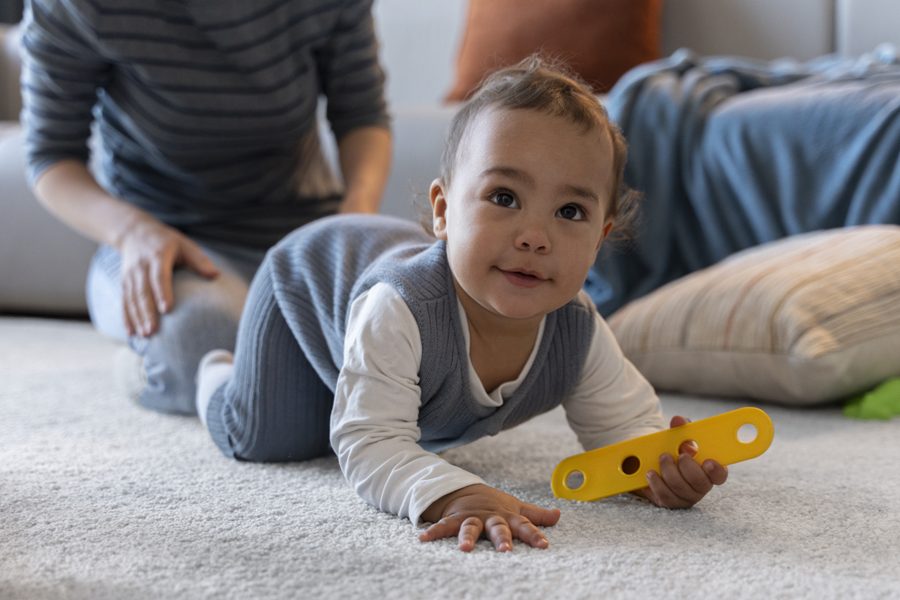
803, 320
598, 39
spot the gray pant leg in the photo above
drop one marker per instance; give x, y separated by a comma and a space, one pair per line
205, 317
275, 407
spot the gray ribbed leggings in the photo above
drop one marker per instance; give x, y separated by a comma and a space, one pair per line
274, 407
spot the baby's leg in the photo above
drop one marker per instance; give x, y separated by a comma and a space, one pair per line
274, 407
205, 316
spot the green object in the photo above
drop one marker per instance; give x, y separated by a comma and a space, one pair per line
881, 403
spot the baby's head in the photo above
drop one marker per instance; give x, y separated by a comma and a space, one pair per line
544, 86
530, 186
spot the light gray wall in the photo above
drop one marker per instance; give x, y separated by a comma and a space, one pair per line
764, 29
864, 24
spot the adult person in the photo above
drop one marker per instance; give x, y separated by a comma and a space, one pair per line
204, 114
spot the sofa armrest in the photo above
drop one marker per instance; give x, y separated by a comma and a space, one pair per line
10, 67
44, 263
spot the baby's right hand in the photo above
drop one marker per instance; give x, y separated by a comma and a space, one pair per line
479, 509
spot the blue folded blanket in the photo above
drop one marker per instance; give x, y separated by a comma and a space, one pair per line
730, 153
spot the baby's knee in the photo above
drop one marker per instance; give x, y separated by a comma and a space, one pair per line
260, 430
269, 453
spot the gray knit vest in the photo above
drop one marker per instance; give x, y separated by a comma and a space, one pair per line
320, 269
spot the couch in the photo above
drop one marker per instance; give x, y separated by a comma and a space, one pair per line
43, 264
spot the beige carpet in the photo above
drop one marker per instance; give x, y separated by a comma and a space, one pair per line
101, 499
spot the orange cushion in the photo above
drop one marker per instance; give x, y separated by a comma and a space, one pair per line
598, 39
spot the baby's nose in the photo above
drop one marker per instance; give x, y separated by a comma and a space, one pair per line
534, 239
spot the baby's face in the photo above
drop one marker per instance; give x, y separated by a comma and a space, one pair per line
526, 211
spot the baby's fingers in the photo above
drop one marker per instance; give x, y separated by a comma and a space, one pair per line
499, 533
716, 472
469, 532
678, 421
526, 531
669, 485
660, 493
686, 447
544, 517
446, 527
694, 475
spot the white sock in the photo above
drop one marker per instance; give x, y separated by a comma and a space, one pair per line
214, 370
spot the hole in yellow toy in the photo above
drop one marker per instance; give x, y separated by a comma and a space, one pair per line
630, 465
747, 433
574, 480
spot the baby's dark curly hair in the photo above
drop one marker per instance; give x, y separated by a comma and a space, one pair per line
545, 85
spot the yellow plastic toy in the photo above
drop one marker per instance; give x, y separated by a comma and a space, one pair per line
728, 438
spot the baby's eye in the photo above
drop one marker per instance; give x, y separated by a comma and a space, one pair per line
504, 199
572, 212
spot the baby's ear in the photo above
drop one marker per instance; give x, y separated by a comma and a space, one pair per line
437, 195
607, 228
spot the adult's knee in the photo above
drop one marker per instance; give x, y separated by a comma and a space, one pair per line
205, 317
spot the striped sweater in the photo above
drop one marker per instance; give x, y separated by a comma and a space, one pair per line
205, 109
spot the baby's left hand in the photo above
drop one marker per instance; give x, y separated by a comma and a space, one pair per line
682, 483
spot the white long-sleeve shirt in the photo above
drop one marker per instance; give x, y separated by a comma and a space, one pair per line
374, 422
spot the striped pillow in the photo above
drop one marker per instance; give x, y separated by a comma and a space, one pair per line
803, 320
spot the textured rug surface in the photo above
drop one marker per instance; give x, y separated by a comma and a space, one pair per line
102, 499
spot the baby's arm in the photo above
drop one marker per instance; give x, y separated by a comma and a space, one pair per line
375, 434
374, 422
614, 402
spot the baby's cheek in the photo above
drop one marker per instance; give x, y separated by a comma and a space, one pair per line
581, 264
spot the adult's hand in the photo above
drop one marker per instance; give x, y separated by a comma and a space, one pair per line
150, 251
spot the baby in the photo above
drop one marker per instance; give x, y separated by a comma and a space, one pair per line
367, 336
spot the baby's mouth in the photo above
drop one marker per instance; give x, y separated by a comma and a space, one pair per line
523, 278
